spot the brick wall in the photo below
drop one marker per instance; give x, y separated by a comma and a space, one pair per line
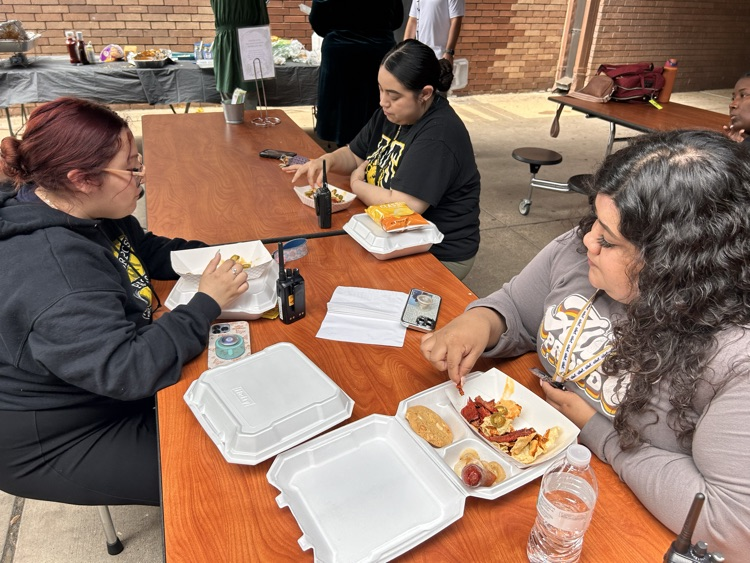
512, 46
709, 39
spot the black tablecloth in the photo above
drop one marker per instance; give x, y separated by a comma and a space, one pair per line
48, 78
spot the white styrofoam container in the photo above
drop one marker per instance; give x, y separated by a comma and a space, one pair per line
259, 297
383, 245
536, 412
371, 490
191, 263
261, 405
460, 74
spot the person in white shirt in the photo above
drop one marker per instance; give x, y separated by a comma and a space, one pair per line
436, 23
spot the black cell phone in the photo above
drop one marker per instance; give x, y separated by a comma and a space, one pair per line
544, 376
277, 154
421, 310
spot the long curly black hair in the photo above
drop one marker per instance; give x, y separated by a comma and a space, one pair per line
684, 202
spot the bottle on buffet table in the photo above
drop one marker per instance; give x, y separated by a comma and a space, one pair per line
70, 43
90, 53
81, 48
566, 502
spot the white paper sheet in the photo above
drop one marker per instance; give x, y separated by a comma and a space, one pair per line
255, 44
365, 316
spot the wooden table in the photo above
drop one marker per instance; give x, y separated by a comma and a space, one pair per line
207, 182
214, 510
645, 117
218, 511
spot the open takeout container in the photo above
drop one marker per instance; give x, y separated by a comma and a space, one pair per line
373, 489
258, 406
383, 245
191, 263
259, 297
308, 200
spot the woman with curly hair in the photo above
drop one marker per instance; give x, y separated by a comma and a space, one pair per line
643, 312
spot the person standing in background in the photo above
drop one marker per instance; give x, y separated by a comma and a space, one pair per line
436, 23
356, 37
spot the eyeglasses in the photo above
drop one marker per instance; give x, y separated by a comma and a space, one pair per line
138, 173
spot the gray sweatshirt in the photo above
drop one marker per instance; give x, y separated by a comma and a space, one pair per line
664, 476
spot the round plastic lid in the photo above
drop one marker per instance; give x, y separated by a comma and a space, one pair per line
578, 455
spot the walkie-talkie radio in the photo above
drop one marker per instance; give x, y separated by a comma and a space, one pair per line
290, 289
322, 197
681, 551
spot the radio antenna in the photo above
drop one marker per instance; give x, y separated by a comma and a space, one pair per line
682, 543
281, 260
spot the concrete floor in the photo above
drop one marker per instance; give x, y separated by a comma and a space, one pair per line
43, 532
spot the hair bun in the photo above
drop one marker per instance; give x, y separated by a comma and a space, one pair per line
446, 75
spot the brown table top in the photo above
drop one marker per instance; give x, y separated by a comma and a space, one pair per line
645, 117
201, 168
214, 507
215, 510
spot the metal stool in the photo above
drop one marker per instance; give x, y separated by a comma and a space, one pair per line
580, 183
536, 158
114, 545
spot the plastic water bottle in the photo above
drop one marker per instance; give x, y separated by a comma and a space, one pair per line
566, 502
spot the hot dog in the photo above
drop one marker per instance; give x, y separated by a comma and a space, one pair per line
474, 475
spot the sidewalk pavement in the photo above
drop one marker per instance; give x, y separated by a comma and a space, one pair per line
44, 532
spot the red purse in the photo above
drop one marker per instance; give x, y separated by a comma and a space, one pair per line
638, 82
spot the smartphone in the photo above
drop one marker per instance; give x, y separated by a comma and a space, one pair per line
273, 153
228, 342
544, 376
421, 310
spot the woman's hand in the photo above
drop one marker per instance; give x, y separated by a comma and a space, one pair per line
569, 404
223, 281
457, 346
312, 170
358, 174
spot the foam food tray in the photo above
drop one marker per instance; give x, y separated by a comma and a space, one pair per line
335, 206
259, 297
536, 413
192, 262
373, 489
261, 405
385, 245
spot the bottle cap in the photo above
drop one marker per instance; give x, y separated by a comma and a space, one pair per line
671, 63
578, 455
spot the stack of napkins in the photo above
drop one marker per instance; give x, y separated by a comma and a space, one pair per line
365, 316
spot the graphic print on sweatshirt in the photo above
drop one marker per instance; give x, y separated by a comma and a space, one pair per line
136, 273
593, 340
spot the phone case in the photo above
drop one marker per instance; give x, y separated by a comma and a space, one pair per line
290, 160
228, 342
421, 310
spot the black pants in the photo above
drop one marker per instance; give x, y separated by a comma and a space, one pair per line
87, 455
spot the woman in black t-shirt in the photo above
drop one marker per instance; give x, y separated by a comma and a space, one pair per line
414, 149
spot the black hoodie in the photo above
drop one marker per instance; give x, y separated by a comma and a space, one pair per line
75, 309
